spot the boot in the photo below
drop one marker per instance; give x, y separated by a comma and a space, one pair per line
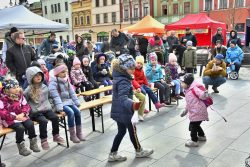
79, 133
45, 144
215, 89
33, 145
22, 149
73, 136
159, 105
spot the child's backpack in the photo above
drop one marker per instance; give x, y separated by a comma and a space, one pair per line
208, 101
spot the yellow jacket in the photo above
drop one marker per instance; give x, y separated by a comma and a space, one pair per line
208, 70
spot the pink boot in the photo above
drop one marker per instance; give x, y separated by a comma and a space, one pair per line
79, 133
159, 105
146, 111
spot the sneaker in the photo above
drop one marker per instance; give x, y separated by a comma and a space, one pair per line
58, 139
202, 138
146, 111
159, 105
115, 157
45, 144
215, 89
191, 143
141, 118
182, 94
144, 153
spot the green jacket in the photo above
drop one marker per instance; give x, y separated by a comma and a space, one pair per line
189, 59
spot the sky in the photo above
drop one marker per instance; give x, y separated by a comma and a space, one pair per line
4, 3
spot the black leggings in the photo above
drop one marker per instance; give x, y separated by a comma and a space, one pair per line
122, 128
195, 129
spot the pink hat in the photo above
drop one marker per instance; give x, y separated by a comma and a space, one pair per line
59, 69
172, 57
76, 61
152, 56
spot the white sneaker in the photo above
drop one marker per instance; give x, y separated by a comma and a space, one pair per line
115, 157
141, 118
202, 138
144, 153
191, 143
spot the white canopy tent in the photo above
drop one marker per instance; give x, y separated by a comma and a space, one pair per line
31, 23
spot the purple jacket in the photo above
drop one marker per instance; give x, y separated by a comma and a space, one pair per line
196, 108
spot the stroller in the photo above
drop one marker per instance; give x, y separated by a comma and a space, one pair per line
232, 74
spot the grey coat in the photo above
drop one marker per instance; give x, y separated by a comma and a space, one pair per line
62, 93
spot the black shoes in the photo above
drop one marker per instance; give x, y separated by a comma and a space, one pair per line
215, 89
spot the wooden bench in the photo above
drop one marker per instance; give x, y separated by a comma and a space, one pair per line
62, 123
95, 106
96, 91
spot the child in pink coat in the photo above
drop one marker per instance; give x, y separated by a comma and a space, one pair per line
195, 108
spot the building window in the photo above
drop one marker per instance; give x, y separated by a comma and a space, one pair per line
76, 21
113, 2
105, 17
45, 10
175, 9
239, 3
113, 17
136, 12
164, 9
59, 7
145, 9
81, 20
67, 21
66, 6
126, 15
97, 3
105, 3
101, 36
97, 19
208, 5
223, 4
186, 7
88, 20
55, 6
59, 20
52, 9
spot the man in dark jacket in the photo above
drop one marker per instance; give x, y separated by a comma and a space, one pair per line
219, 49
118, 42
218, 36
172, 39
233, 36
143, 44
189, 37
19, 57
47, 45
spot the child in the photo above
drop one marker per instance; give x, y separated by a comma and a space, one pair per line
140, 78
37, 95
189, 60
14, 111
101, 71
195, 108
65, 99
77, 76
155, 76
123, 107
172, 76
44, 69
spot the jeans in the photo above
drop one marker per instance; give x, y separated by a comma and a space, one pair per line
107, 83
195, 128
145, 89
178, 88
189, 70
237, 66
73, 114
164, 91
216, 82
41, 118
20, 128
122, 128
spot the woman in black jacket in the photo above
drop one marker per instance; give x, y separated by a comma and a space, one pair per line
81, 50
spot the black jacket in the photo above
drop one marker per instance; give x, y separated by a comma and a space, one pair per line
81, 50
19, 58
118, 43
172, 40
235, 37
189, 37
217, 37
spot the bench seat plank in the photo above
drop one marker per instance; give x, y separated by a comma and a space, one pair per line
96, 91
95, 103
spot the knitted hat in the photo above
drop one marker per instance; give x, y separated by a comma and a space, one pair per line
76, 61
233, 42
101, 55
126, 61
9, 82
188, 78
189, 43
172, 57
41, 61
152, 56
219, 56
139, 59
13, 30
59, 69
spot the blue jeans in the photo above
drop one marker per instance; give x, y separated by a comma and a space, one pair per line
216, 82
145, 89
73, 114
107, 83
177, 84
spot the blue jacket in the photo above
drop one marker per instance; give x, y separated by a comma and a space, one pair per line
62, 93
234, 55
121, 109
153, 76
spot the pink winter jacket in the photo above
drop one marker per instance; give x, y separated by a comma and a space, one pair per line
196, 108
77, 76
10, 108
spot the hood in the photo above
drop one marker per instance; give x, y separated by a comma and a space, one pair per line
99, 55
194, 84
152, 42
235, 37
31, 72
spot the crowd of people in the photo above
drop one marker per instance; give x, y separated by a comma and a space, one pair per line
41, 83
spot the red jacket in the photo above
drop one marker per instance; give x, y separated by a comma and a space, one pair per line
135, 84
140, 77
10, 108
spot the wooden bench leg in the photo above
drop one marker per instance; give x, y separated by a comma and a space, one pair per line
2, 141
